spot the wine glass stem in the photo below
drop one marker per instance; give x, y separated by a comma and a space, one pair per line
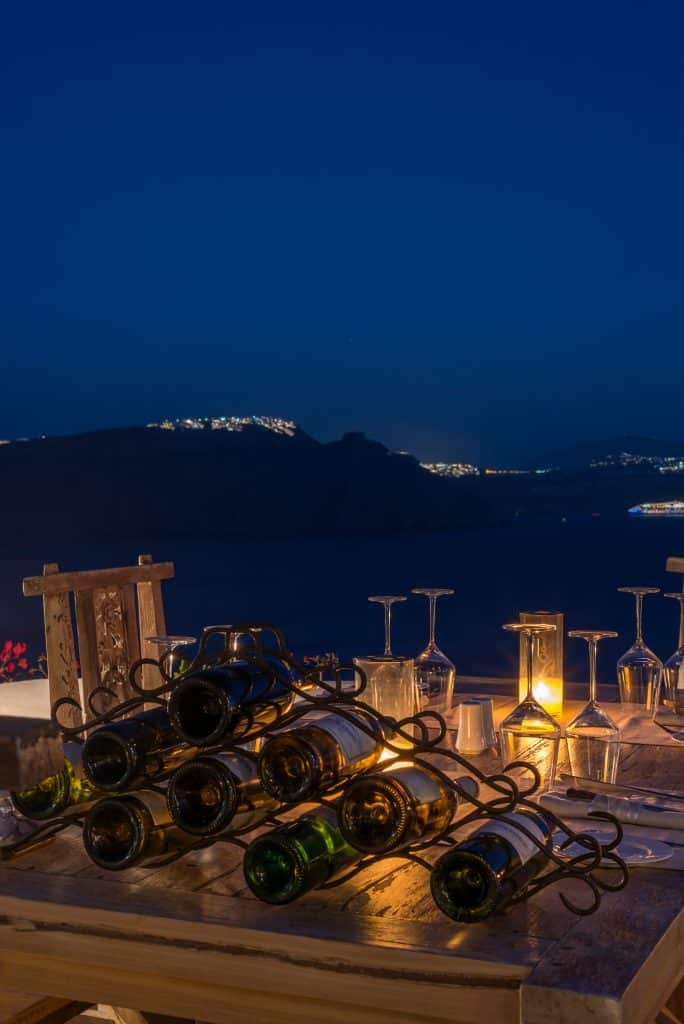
530, 665
433, 616
388, 627
681, 623
639, 618
593, 695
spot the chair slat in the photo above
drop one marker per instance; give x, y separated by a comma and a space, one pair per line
60, 651
152, 623
87, 642
130, 629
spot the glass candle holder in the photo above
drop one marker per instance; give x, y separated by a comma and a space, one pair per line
547, 665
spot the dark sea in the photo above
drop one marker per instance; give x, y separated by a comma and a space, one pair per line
316, 589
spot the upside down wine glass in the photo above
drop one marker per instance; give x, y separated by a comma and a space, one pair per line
390, 687
166, 650
592, 737
529, 733
668, 705
433, 671
387, 603
639, 669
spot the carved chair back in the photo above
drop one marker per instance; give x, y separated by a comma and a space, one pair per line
115, 610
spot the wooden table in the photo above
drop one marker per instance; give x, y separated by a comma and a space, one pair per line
189, 940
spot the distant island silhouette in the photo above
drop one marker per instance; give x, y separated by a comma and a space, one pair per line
254, 481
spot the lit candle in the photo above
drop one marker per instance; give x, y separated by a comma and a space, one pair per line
548, 663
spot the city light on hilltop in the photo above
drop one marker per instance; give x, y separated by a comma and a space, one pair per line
234, 424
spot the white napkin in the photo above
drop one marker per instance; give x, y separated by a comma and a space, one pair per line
626, 810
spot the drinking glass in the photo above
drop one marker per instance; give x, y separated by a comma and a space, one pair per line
639, 669
434, 672
668, 705
390, 686
593, 738
166, 650
529, 733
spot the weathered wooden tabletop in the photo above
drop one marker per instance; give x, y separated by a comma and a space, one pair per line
190, 940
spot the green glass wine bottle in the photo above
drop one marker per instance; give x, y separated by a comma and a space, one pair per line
55, 794
386, 810
213, 793
282, 865
489, 868
133, 829
125, 752
211, 705
318, 753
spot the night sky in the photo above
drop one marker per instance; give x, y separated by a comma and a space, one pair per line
456, 226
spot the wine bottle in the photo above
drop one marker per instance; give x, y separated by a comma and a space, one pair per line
212, 704
55, 794
127, 751
386, 810
281, 865
135, 828
211, 794
484, 872
318, 753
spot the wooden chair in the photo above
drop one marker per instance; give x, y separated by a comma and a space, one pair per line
116, 609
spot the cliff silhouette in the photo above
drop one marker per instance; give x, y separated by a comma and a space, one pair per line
139, 481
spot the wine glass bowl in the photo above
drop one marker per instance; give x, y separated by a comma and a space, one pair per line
433, 672
529, 733
639, 669
592, 737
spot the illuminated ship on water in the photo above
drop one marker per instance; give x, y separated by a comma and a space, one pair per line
658, 508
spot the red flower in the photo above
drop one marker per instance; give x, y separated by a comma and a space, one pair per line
6, 650
22, 663
10, 667
18, 650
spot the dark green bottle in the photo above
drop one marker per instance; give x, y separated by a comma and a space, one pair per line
484, 872
213, 793
383, 811
122, 831
281, 865
211, 705
55, 794
128, 751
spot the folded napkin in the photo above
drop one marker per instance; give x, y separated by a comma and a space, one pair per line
656, 814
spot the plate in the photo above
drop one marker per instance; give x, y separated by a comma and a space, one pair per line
634, 852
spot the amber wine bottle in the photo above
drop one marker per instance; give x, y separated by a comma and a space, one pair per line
318, 753
386, 810
132, 829
130, 750
55, 794
487, 870
212, 704
281, 865
213, 793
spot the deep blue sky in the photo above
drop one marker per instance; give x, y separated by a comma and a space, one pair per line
458, 226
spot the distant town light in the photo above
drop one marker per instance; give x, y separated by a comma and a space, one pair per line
453, 469
230, 423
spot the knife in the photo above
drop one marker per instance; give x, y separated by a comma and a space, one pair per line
609, 787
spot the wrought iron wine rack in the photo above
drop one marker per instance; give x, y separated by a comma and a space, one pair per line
419, 739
